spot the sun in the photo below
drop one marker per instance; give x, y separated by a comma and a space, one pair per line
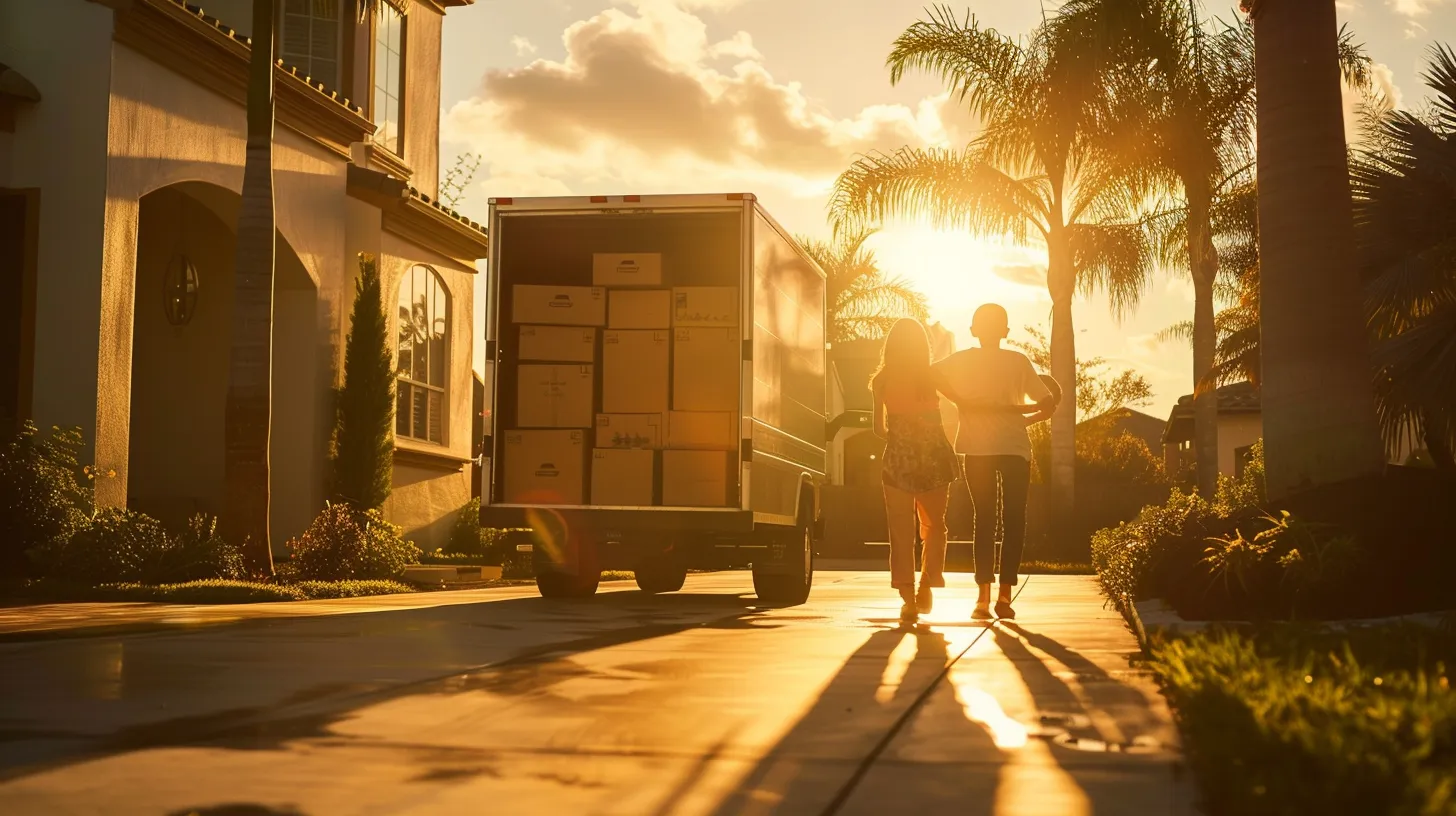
957, 272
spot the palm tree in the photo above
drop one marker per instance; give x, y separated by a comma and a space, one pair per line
248, 413
1405, 216
1037, 173
863, 302
1318, 402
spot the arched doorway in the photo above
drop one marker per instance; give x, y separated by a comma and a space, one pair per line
181, 340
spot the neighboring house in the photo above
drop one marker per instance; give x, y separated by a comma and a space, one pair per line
1118, 421
1240, 425
121, 165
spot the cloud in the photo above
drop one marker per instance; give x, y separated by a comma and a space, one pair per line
645, 99
522, 45
1414, 8
1024, 274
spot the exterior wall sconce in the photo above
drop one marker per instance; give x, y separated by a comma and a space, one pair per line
180, 286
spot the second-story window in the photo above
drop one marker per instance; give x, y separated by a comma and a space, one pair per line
309, 36
388, 77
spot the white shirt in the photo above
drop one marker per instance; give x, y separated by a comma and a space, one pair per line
986, 378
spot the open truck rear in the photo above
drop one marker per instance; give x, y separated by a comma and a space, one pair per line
658, 369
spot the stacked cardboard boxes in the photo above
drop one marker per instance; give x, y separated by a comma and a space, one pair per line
627, 390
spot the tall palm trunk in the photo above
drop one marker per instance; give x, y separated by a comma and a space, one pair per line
1203, 264
1319, 417
249, 395
1062, 286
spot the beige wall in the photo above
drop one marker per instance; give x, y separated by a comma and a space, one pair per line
1236, 431
70, 122
425, 499
422, 100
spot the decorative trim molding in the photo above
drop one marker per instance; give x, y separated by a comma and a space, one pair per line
435, 460
415, 218
216, 57
381, 158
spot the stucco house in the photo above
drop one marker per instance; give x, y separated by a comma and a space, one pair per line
121, 163
1240, 425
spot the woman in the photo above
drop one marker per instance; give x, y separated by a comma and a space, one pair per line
919, 463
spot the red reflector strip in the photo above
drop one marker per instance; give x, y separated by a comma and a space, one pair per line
735, 196
632, 199
598, 199
503, 201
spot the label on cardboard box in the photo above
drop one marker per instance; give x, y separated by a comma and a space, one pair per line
559, 305
557, 344
555, 396
706, 369
705, 306
634, 371
627, 269
544, 467
623, 478
646, 431
693, 478
639, 309
702, 430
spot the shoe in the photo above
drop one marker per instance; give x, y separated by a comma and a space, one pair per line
908, 614
1004, 610
981, 613
924, 601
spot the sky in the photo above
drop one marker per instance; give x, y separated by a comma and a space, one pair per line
777, 97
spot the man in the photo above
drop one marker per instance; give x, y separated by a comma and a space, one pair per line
990, 386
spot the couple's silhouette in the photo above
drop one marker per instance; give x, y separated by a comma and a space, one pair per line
997, 394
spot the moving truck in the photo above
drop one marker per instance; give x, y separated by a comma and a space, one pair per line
658, 367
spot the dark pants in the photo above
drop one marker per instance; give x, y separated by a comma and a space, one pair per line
1015, 473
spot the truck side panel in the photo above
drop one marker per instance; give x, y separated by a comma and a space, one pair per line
788, 400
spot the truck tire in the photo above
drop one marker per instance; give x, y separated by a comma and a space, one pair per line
660, 574
787, 581
561, 580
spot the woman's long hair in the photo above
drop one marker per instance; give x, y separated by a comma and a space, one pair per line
905, 359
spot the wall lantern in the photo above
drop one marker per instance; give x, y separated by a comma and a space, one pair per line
180, 287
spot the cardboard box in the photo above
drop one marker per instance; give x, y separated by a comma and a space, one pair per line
627, 269
544, 467
559, 305
555, 396
623, 478
702, 430
705, 306
645, 431
696, 478
706, 367
639, 309
634, 371
557, 344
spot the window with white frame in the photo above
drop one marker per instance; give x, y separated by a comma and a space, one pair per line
388, 77
424, 349
310, 36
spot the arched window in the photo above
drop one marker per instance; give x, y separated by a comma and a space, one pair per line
424, 354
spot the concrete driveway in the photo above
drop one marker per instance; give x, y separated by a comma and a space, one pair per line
494, 701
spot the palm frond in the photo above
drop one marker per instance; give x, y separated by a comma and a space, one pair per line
1354, 61
1114, 258
953, 189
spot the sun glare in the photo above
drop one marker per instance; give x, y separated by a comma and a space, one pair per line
958, 272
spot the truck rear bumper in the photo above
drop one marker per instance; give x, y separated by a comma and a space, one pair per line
615, 523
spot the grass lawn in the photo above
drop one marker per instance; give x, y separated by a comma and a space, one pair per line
1294, 719
214, 591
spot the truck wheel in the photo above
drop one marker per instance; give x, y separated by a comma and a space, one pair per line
787, 581
575, 577
554, 584
660, 574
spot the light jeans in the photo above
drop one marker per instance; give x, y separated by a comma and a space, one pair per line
901, 511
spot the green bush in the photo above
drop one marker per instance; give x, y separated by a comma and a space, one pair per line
115, 546
319, 590
200, 553
348, 543
45, 493
1290, 721
468, 538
